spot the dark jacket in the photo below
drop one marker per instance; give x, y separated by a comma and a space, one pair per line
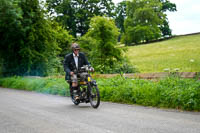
69, 63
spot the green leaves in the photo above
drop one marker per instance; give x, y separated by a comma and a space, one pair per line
103, 35
170, 92
75, 15
143, 20
30, 42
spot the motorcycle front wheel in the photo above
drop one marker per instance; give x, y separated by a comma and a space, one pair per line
94, 96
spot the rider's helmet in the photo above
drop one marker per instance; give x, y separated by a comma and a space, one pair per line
75, 46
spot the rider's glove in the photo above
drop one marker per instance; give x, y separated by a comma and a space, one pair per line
91, 69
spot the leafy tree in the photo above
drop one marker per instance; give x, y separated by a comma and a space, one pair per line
121, 15
63, 39
143, 19
120, 12
101, 39
75, 15
166, 6
30, 44
11, 32
165, 29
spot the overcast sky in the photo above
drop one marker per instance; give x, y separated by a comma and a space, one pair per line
187, 18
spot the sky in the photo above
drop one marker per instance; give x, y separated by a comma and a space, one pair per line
186, 19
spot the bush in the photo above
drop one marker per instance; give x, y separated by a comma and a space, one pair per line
119, 67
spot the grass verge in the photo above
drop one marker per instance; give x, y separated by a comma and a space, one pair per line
56, 86
171, 92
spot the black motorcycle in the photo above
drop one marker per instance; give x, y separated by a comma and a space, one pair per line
87, 90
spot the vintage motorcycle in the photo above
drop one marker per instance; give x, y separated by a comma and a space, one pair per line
87, 88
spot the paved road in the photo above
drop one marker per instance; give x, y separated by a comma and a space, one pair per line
30, 112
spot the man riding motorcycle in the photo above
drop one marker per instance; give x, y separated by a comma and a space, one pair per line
72, 64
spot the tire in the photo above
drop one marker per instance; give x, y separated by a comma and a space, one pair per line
94, 96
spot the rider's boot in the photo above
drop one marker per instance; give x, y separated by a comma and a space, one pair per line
76, 92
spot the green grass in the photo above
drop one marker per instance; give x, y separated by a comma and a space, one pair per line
56, 86
171, 92
181, 52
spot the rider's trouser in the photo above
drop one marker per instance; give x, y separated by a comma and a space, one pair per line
73, 83
74, 80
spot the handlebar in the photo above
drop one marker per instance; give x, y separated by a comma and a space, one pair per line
85, 68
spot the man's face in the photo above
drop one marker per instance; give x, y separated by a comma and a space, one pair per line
76, 51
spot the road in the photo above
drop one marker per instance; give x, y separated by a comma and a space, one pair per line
31, 112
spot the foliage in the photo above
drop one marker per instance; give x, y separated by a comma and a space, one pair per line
75, 15
166, 31
171, 92
101, 42
166, 6
120, 67
62, 37
10, 22
143, 20
88, 46
56, 86
181, 53
120, 12
29, 42
64, 40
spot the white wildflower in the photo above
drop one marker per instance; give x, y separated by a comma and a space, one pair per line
167, 69
191, 60
176, 69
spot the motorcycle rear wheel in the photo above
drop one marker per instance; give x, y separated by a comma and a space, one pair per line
94, 96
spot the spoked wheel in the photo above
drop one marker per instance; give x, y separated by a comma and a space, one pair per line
94, 96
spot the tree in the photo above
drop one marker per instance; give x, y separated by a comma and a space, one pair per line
11, 32
120, 12
121, 15
75, 15
103, 36
166, 6
30, 44
143, 20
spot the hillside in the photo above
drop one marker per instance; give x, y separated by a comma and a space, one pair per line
180, 53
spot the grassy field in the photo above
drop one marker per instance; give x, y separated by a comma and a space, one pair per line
180, 53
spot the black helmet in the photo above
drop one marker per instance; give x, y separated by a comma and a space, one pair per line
75, 46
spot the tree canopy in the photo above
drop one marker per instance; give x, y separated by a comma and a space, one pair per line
123, 8
120, 15
103, 35
143, 18
28, 42
75, 15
